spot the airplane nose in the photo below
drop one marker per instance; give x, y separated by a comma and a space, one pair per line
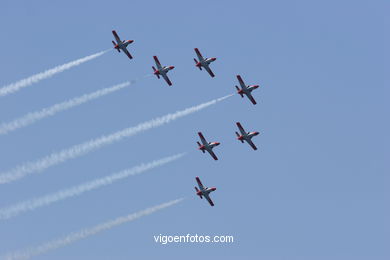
172, 67
131, 41
217, 143
214, 188
213, 59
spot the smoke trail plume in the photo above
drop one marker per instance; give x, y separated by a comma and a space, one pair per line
11, 88
32, 117
85, 233
94, 144
46, 200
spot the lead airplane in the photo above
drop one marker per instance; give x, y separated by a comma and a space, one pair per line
121, 45
246, 136
246, 90
204, 62
162, 71
207, 146
204, 191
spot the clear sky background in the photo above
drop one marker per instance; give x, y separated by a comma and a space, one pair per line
315, 189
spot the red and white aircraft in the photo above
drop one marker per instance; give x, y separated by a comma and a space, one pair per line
204, 191
162, 71
207, 146
246, 90
246, 136
204, 62
121, 45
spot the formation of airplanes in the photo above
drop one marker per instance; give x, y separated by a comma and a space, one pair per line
204, 146
243, 136
200, 63
208, 147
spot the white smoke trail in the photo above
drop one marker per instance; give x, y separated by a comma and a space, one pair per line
85, 233
83, 148
11, 88
32, 117
46, 200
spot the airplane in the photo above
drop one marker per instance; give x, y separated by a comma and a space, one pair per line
162, 71
246, 90
207, 146
121, 45
246, 136
204, 62
204, 191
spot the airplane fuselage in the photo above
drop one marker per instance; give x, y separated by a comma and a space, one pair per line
251, 134
248, 89
209, 60
164, 70
209, 146
206, 191
248, 135
205, 62
123, 44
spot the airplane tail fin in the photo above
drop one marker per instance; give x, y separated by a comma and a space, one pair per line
200, 146
238, 135
238, 89
154, 70
196, 62
197, 190
115, 45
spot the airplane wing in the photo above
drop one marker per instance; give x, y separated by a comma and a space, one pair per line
204, 142
158, 64
241, 128
208, 199
118, 40
166, 79
251, 98
200, 57
212, 154
207, 68
201, 187
241, 82
249, 141
127, 53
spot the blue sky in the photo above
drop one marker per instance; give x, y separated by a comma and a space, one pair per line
315, 189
